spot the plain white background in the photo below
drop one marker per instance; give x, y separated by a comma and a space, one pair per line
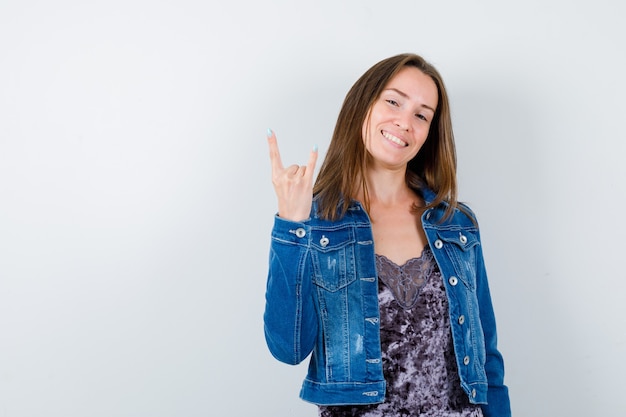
136, 202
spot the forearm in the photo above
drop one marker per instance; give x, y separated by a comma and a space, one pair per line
290, 319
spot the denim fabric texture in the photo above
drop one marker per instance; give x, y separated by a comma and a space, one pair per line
322, 301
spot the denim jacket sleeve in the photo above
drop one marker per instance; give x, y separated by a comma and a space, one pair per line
497, 393
290, 321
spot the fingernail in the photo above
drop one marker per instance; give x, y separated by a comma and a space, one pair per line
269, 132
314, 148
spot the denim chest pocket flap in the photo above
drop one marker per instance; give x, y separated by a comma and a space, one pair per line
459, 246
332, 253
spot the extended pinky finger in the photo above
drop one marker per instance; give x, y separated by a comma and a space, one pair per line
310, 167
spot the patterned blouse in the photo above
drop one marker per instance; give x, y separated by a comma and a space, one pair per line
418, 354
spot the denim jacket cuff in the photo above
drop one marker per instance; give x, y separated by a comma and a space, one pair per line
288, 231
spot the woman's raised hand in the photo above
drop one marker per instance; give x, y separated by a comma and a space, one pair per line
293, 185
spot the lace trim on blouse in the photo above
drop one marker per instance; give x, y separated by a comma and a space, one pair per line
405, 281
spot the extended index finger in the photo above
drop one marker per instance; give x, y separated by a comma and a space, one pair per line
276, 162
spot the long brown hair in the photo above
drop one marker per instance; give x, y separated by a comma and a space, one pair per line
343, 172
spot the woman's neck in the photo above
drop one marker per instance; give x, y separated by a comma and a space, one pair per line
387, 187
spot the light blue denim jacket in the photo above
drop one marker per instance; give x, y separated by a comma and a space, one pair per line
322, 300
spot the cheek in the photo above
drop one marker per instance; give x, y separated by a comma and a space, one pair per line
424, 130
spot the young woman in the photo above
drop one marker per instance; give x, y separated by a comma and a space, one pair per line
377, 271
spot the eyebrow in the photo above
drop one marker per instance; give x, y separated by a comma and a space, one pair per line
403, 94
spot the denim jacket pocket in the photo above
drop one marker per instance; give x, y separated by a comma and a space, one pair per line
460, 246
333, 257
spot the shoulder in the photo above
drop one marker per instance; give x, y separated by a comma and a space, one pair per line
468, 212
462, 216
355, 214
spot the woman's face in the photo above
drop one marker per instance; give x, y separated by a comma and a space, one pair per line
400, 118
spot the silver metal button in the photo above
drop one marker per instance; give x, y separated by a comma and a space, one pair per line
463, 239
438, 244
324, 241
466, 360
474, 393
453, 281
300, 232
461, 319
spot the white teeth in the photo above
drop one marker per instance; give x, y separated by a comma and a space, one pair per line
394, 139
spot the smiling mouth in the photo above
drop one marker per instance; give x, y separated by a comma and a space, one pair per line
393, 139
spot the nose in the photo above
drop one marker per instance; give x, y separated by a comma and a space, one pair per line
403, 120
